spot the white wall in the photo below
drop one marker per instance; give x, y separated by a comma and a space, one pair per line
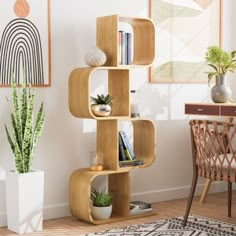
67, 141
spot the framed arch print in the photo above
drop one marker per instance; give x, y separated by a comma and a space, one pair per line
184, 30
25, 47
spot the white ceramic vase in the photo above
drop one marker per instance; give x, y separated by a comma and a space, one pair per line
221, 93
24, 196
95, 57
101, 213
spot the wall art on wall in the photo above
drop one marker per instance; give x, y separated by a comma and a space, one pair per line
25, 42
184, 30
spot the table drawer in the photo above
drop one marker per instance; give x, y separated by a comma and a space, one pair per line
195, 109
228, 110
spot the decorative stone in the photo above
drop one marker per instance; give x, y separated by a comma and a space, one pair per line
95, 57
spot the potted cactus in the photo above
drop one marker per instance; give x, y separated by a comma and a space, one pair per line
102, 204
101, 105
24, 186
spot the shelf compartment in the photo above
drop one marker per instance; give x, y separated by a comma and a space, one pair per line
144, 145
79, 92
118, 184
80, 190
143, 39
144, 140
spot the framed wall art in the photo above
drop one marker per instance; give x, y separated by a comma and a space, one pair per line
25, 42
184, 30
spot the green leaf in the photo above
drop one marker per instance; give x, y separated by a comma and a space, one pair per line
17, 113
28, 132
37, 132
23, 107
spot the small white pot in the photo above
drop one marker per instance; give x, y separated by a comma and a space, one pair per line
24, 196
101, 213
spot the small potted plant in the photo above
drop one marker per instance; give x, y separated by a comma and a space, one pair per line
101, 105
102, 204
221, 62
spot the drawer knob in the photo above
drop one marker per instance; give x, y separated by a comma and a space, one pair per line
201, 109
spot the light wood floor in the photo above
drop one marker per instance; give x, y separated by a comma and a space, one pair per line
215, 207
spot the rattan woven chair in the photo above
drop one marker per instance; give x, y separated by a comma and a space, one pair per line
214, 155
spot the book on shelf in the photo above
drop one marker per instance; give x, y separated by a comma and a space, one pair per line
122, 156
135, 205
135, 162
127, 146
129, 48
139, 207
125, 47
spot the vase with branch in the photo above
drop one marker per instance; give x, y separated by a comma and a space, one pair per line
220, 62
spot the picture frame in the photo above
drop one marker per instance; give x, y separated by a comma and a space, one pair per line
25, 42
184, 30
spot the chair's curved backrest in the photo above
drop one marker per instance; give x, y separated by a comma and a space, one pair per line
214, 145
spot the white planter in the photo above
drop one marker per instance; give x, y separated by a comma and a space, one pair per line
101, 213
24, 196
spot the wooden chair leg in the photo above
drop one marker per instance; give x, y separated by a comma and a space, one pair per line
190, 199
205, 191
229, 198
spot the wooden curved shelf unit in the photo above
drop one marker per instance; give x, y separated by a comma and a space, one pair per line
144, 132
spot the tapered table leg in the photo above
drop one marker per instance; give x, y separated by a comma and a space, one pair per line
205, 191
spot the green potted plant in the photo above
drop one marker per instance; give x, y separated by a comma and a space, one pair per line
101, 105
24, 186
220, 62
102, 204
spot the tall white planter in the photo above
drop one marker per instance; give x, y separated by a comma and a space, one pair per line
24, 196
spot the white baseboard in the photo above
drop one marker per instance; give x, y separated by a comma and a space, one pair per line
62, 210
56, 211
176, 193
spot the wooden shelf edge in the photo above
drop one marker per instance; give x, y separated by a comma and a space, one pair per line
122, 218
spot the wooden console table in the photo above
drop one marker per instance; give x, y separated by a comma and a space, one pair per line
211, 109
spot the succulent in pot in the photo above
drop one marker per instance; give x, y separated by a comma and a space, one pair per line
102, 204
101, 105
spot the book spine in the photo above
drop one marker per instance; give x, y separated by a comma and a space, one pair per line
121, 150
131, 163
141, 211
127, 144
129, 48
120, 45
123, 48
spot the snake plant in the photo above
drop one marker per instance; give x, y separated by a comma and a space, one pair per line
24, 133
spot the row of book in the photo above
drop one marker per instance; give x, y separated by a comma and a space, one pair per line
139, 207
125, 48
126, 154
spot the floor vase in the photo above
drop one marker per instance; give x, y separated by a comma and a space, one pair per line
24, 195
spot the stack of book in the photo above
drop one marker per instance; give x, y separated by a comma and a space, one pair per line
126, 153
139, 207
125, 47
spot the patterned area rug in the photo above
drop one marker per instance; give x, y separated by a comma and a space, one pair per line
196, 226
